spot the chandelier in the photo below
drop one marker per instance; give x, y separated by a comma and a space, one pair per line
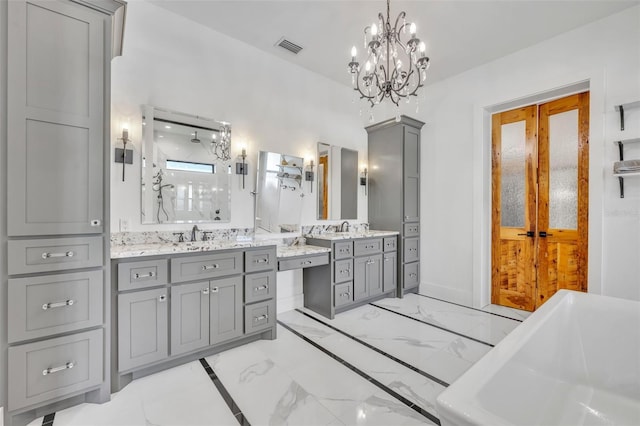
393, 69
221, 148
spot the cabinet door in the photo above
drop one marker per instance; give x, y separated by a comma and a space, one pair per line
55, 126
411, 175
374, 275
143, 328
389, 272
189, 317
360, 285
225, 309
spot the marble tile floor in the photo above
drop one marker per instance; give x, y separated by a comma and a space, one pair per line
379, 364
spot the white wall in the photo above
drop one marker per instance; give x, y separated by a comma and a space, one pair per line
272, 105
455, 161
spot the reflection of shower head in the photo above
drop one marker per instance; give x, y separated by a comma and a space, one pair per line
195, 139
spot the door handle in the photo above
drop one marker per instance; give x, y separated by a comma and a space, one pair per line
530, 234
543, 234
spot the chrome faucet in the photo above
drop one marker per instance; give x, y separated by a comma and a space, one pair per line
342, 229
194, 230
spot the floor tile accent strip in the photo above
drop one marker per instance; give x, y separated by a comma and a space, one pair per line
242, 420
365, 376
380, 351
468, 307
433, 325
48, 419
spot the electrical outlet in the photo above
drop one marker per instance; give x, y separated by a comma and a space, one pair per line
124, 225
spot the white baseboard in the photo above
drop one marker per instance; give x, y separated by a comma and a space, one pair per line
447, 293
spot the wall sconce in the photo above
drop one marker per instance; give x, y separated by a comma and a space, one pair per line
309, 175
242, 168
124, 155
363, 180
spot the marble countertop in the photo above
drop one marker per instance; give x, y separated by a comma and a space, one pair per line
331, 236
119, 251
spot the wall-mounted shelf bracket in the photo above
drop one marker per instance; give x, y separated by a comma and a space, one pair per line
621, 108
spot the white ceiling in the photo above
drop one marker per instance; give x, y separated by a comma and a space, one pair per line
459, 35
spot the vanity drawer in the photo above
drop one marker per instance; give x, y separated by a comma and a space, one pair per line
149, 273
54, 254
343, 294
411, 230
389, 243
54, 368
303, 262
411, 250
342, 249
259, 316
411, 274
259, 287
205, 266
343, 270
51, 304
368, 246
260, 260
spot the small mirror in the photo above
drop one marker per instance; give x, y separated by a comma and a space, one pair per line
337, 183
186, 170
278, 193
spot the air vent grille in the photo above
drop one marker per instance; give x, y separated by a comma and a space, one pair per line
289, 45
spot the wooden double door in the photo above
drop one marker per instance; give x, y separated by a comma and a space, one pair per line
540, 186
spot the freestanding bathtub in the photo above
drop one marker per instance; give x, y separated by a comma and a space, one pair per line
575, 361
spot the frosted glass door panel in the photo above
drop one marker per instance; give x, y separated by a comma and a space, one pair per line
563, 170
512, 187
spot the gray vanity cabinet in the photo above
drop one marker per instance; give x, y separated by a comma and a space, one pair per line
367, 277
394, 147
189, 317
226, 309
390, 272
143, 328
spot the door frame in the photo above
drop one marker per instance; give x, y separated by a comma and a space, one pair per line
594, 82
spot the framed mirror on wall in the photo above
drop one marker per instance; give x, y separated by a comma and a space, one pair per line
186, 168
337, 180
279, 193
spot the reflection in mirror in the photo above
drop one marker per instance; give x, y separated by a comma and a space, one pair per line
337, 183
186, 171
278, 193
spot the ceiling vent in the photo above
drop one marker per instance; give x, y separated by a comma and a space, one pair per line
289, 45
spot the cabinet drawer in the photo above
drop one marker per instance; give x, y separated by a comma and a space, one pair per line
411, 230
411, 250
259, 316
260, 260
411, 275
342, 249
51, 304
303, 262
54, 254
343, 270
343, 294
54, 368
205, 266
366, 247
389, 243
260, 286
135, 275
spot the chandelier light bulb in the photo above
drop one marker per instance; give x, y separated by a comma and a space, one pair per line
367, 67
354, 52
374, 30
412, 29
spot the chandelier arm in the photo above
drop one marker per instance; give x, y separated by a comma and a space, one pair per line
400, 15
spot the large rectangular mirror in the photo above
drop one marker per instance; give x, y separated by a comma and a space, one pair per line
337, 183
278, 193
186, 170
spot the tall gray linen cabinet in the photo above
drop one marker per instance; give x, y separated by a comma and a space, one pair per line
394, 191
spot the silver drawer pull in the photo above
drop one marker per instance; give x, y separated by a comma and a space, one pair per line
205, 290
46, 255
52, 305
260, 318
207, 267
345, 271
51, 370
214, 289
151, 274
262, 287
347, 294
387, 259
262, 260
162, 298
413, 275
413, 249
306, 262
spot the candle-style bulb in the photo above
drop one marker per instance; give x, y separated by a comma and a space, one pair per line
125, 134
412, 28
374, 30
422, 47
354, 52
